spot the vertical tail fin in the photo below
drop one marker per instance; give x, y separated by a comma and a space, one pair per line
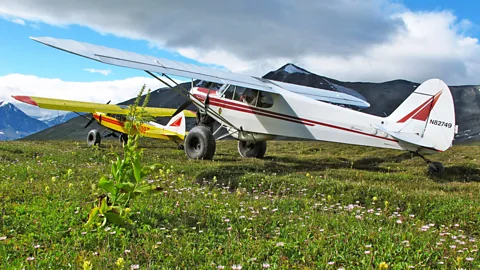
426, 117
177, 124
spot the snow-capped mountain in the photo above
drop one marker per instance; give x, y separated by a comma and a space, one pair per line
383, 98
15, 124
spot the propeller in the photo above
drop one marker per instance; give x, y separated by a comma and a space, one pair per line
182, 107
93, 118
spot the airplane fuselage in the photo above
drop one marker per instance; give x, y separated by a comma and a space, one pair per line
297, 116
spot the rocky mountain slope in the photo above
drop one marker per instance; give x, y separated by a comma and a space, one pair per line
15, 124
383, 97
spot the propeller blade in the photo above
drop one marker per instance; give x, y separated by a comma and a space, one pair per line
182, 107
89, 122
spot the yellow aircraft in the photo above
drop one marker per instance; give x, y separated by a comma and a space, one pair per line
113, 117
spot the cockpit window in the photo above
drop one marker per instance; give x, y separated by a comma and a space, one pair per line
249, 96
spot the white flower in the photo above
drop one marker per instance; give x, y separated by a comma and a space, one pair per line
30, 258
469, 259
220, 267
134, 266
236, 267
3, 238
331, 263
266, 265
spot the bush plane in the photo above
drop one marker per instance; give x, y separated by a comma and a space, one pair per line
113, 118
254, 110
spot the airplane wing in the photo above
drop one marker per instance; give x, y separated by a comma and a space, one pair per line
175, 68
91, 107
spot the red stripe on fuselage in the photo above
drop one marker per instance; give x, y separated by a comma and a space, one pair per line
109, 120
227, 104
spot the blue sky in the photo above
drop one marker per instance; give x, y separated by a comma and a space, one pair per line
346, 40
19, 54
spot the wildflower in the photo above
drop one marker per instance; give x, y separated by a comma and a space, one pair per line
331, 263
134, 266
280, 244
30, 258
87, 265
453, 246
127, 251
383, 265
83, 233
375, 198
227, 220
368, 246
120, 262
440, 262
266, 265
399, 221
220, 267
367, 252
469, 259
2, 238
236, 267
36, 246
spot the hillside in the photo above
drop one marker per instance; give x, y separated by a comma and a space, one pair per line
15, 124
383, 97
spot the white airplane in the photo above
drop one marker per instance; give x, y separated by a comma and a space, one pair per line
255, 110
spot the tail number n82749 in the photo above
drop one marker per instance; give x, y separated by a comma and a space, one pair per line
441, 123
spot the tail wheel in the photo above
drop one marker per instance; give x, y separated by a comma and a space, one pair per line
123, 139
200, 143
94, 137
252, 149
436, 168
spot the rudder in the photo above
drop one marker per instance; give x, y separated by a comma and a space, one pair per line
426, 116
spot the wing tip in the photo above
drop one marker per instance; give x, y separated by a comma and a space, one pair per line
25, 99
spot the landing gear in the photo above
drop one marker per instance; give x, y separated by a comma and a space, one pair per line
434, 168
252, 149
200, 143
123, 139
94, 137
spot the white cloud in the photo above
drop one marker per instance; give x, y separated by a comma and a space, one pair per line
18, 21
104, 72
101, 92
371, 40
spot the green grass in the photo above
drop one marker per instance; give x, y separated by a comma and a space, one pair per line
306, 205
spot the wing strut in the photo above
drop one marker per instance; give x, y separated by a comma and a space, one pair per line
190, 97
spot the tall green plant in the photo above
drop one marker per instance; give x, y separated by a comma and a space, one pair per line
128, 174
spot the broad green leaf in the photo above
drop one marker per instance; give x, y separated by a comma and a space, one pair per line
126, 186
137, 170
104, 208
92, 216
115, 219
107, 185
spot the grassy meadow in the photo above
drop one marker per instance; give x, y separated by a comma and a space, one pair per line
307, 205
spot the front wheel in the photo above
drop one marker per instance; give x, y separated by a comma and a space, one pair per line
200, 143
251, 149
94, 137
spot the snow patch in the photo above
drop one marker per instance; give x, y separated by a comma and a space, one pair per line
293, 69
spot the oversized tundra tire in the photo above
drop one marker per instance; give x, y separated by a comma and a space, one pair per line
252, 149
200, 143
94, 137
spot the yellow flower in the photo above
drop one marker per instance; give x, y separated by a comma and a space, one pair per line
307, 175
87, 265
120, 262
54, 179
375, 198
383, 265
386, 204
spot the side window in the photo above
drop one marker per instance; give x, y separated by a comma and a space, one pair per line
265, 100
239, 93
228, 93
